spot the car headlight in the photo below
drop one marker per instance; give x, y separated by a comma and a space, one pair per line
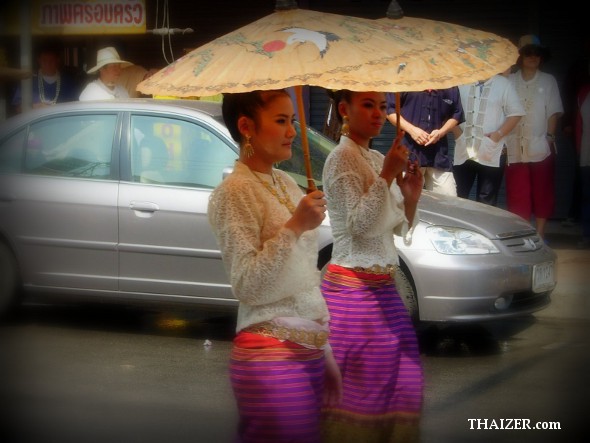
456, 241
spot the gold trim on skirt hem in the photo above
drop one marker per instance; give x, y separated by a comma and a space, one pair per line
346, 427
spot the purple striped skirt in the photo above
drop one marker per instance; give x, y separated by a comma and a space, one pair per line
278, 389
376, 347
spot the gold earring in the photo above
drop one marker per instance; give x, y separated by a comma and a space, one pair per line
247, 148
345, 129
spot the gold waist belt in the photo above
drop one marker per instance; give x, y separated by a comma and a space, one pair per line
377, 269
317, 339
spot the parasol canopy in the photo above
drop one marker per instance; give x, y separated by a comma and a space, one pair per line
304, 47
293, 47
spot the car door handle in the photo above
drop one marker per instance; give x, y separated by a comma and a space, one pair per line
144, 206
6, 198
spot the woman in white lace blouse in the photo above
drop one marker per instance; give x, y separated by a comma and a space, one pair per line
372, 337
266, 229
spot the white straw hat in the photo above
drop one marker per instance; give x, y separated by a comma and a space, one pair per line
107, 56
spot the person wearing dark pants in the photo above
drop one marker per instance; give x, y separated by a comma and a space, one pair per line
492, 109
489, 180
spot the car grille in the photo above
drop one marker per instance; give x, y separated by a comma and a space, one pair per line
528, 300
523, 244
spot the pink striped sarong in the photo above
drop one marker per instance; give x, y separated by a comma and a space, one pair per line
376, 347
278, 387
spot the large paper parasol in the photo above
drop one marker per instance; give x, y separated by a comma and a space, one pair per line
295, 47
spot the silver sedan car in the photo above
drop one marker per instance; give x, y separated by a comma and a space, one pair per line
107, 201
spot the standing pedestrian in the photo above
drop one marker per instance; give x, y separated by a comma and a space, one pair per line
372, 336
530, 174
492, 109
426, 117
281, 363
105, 87
51, 84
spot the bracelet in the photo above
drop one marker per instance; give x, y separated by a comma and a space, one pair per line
499, 131
550, 137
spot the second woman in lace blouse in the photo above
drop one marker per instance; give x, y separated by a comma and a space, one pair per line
266, 229
372, 336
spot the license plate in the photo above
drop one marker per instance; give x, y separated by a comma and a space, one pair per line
543, 277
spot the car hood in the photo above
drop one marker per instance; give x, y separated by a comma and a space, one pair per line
494, 223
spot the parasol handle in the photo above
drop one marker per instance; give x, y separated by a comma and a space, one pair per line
399, 132
304, 142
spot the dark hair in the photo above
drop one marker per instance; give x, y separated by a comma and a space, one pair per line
50, 45
538, 50
246, 104
339, 96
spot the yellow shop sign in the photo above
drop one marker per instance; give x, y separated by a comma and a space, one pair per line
80, 17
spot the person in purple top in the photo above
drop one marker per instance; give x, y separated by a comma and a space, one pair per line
51, 83
426, 117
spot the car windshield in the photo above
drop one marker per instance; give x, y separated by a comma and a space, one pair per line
319, 148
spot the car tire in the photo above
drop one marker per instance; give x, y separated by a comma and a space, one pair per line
407, 292
8, 281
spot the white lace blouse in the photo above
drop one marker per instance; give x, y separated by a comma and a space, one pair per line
364, 212
272, 273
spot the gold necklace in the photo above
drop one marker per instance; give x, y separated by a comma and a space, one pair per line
285, 200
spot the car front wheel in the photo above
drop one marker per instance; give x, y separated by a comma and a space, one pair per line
407, 292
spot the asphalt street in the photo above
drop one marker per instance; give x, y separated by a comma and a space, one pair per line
113, 374
571, 297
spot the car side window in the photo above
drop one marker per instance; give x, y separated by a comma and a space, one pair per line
11, 153
176, 152
71, 146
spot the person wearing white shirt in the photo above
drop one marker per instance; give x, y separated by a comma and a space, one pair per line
105, 87
492, 109
530, 174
